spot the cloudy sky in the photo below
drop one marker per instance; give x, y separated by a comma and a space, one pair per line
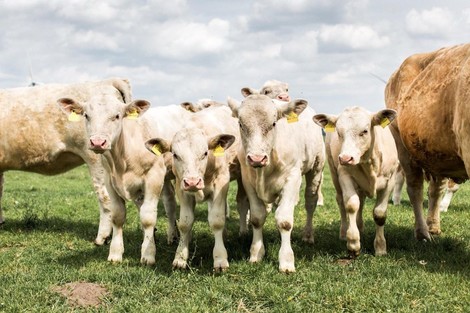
333, 53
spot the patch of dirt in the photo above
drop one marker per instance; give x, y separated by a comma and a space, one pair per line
82, 294
344, 261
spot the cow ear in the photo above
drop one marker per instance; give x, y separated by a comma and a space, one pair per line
384, 117
247, 91
157, 146
136, 108
188, 106
291, 110
327, 122
233, 105
220, 143
73, 109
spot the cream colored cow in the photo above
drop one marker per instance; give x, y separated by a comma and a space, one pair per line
279, 146
119, 134
203, 154
363, 161
37, 137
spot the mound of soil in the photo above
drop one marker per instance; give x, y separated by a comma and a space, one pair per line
82, 294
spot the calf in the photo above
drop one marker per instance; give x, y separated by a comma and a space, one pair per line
119, 134
279, 145
37, 137
363, 161
203, 154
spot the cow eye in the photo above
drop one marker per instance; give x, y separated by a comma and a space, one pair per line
204, 155
266, 91
364, 132
116, 117
241, 127
175, 156
274, 124
86, 116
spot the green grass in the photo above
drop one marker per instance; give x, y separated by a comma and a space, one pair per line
51, 222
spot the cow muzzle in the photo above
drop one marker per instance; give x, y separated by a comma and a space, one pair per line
257, 160
283, 97
98, 145
346, 159
192, 184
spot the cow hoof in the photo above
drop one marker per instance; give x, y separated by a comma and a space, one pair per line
422, 235
353, 254
180, 264
102, 241
220, 268
115, 258
308, 238
147, 261
287, 269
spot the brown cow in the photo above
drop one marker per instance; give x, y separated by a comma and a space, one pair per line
430, 93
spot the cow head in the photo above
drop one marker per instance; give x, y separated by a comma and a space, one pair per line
354, 128
103, 117
275, 89
201, 104
191, 150
258, 116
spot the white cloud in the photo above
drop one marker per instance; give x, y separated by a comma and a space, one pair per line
301, 48
93, 40
356, 37
183, 40
435, 22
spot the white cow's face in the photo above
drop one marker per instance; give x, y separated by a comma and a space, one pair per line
103, 118
258, 117
355, 135
354, 128
275, 89
191, 151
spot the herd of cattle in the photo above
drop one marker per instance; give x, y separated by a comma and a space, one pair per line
267, 143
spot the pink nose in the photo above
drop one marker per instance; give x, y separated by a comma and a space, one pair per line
257, 160
283, 97
193, 183
98, 144
345, 159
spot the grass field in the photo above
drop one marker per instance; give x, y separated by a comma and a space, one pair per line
51, 221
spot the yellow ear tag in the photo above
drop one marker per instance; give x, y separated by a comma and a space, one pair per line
132, 115
329, 128
384, 122
219, 151
156, 150
292, 117
74, 117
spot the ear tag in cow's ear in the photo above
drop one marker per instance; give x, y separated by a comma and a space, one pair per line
384, 122
330, 127
74, 117
219, 151
132, 115
156, 150
292, 117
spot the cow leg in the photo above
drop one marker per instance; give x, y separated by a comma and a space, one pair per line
118, 217
1, 196
399, 182
339, 200
436, 190
380, 216
359, 218
148, 220
185, 225
258, 212
98, 175
452, 187
169, 203
285, 220
414, 185
352, 203
216, 218
321, 200
312, 188
242, 206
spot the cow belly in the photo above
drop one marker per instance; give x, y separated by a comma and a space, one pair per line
46, 165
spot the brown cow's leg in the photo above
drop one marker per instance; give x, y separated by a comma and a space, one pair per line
436, 190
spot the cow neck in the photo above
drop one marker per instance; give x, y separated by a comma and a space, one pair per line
127, 142
370, 166
263, 183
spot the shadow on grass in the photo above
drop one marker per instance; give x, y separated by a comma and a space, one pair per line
441, 254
